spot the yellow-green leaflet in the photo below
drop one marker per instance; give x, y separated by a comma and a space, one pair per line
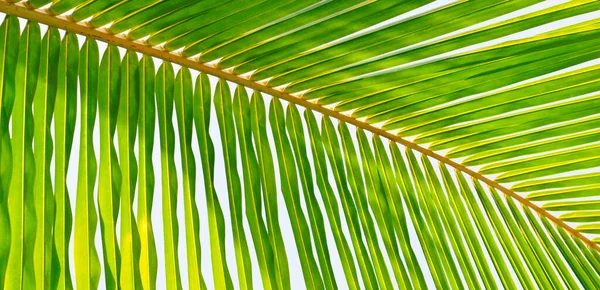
87, 264
379, 188
109, 177
127, 119
146, 124
21, 207
403, 181
45, 96
9, 45
331, 207
185, 119
449, 223
65, 112
332, 147
223, 108
267, 171
290, 191
291, 195
252, 192
358, 192
201, 111
164, 109
296, 134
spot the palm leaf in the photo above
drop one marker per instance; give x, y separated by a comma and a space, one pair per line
490, 176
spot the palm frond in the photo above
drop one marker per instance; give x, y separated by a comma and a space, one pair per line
489, 108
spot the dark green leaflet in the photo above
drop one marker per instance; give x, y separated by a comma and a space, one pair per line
65, 113
44, 100
355, 181
331, 207
184, 108
379, 188
296, 134
252, 191
267, 171
404, 182
109, 86
291, 194
146, 124
127, 119
332, 147
223, 108
21, 208
9, 45
87, 265
202, 100
164, 108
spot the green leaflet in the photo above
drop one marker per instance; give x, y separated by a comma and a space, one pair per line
185, 10
522, 244
21, 207
503, 236
216, 221
127, 119
329, 200
487, 237
300, 42
44, 100
223, 108
207, 34
164, 109
359, 194
574, 257
65, 5
379, 189
403, 34
581, 216
547, 271
429, 241
449, 223
252, 192
65, 114
137, 19
39, 3
90, 8
251, 15
267, 171
184, 108
9, 45
120, 10
552, 252
296, 134
87, 265
109, 180
313, 11
146, 124
392, 195
291, 195
332, 147
188, 28
466, 225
